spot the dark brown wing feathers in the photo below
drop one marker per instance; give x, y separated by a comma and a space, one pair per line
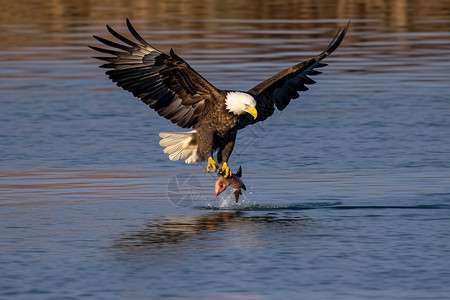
164, 82
280, 89
175, 91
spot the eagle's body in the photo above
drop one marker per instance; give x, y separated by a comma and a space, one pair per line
216, 130
175, 91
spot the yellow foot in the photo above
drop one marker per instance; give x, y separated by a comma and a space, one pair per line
225, 170
212, 164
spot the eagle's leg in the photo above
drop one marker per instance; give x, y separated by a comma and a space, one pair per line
225, 170
212, 164
224, 153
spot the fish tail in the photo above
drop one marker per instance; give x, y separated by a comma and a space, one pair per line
236, 193
180, 145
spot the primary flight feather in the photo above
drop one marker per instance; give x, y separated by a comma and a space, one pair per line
167, 84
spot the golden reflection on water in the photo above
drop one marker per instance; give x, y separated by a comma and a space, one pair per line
69, 186
39, 23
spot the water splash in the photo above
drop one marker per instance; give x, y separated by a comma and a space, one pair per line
226, 200
229, 201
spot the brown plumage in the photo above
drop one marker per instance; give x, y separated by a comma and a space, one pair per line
167, 84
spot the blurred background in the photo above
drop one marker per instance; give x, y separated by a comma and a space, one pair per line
348, 188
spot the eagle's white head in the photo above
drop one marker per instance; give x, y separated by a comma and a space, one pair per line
239, 103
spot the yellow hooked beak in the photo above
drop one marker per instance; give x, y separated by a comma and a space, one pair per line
252, 110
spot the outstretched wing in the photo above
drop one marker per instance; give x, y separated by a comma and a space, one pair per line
164, 82
280, 89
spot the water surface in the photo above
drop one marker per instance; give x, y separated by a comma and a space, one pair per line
348, 188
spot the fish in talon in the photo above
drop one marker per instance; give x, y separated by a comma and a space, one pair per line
234, 181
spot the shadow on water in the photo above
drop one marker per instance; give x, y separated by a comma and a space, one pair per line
266, 220
175, 230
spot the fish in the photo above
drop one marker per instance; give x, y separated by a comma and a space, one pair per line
234, 181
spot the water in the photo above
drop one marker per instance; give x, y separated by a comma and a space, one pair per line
348, 189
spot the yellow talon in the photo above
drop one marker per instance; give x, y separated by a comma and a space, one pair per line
212, 164
225, 170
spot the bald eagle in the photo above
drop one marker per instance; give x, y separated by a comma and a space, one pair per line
167, 84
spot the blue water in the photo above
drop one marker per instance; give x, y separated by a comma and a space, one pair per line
348, 189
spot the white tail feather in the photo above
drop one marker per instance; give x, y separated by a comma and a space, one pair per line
178, 145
